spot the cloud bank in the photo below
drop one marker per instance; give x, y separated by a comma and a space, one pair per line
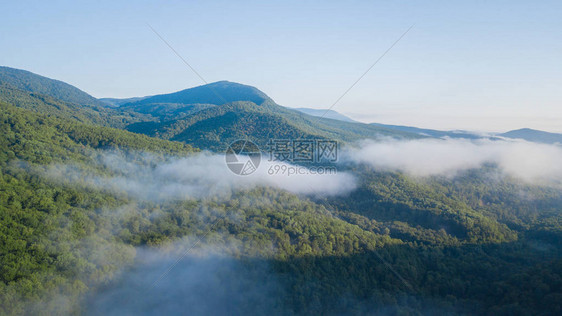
197, 176
447, 157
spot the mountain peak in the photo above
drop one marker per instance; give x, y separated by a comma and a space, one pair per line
217, 93
223, 82
534, 135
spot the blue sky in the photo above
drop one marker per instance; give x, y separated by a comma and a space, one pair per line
479, 65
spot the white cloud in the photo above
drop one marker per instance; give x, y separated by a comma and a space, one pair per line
427, 157
198, 176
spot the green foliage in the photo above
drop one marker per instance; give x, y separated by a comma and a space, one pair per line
41, 139
70, 111
420, 211
35, 84
165, 111
216, 127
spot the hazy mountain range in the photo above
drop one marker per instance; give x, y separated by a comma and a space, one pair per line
165, 114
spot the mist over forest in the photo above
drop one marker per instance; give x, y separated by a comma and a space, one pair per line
361, 159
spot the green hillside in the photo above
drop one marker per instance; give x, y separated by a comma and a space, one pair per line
164, 112
40, 138
48, 96
36, 84
71, 111
216, 127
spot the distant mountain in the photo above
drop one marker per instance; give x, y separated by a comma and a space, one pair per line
209, 116
430, 132
114, 102
216, 93
217, 126
331, 114
177, 105
534, 136
200, 116
33, 83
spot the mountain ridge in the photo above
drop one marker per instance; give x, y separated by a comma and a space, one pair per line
215, 127
42, 94
217, 93
534, 135
34, 83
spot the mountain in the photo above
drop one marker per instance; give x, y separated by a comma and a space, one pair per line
36, 84
527, 134
430, 132
217, 126
48, 96
200, 116
534, 136
115, 102
216, 93
331, 114
208, 116
48, 105
177, 105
